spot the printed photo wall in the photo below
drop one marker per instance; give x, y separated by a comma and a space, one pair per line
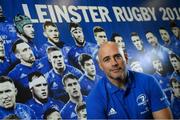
48, 48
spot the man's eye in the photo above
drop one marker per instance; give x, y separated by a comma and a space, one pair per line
106, 59
118, 56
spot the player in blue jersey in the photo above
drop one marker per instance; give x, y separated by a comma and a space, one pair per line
52, 113
159, 50
8, 105
175, 61
89, 78
39, 89
175, 84
20, 72
5, 64
72, 87
167, 41
141, 52
55, 76
7, 37
26, 32
162, 77
176, 34
124, 94
81, 111
175, 104
81, 45
52, 34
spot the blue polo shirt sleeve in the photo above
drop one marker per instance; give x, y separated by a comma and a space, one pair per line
158, 98
95, 103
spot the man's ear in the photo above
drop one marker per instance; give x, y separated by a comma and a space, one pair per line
44, 33
16, 91
18, 55
126, 57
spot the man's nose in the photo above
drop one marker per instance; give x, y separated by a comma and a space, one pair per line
114, 61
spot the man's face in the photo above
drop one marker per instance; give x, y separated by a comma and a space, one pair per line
54, 116
120, 42
175, 31
82, 115
24, 53
72, 87
137, 42
52, 33
157, 65
7, 95
39, 88
175, 63
164, 35
136, 66
112, 61
176, 88
28, 31
2, 52
57, 60
89, 67
78, 35
151, 39
101, 38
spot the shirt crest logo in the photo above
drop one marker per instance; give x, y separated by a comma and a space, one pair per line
141, 99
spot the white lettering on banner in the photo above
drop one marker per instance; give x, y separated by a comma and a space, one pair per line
70, 13
134, 14
56, 13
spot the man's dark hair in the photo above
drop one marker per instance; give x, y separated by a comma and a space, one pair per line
162, 28
49, 111
134, 34
5, 79
68, 76
83, 58
34, 74
52, 48
98, 29
80, 107
73, 25
173, 80
173, 24
48, 23
174, 55
115, 35
14, 47
148, 32
11, 117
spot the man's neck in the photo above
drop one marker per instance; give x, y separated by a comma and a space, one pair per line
26, 63
59, 71
76, 100
120, 83
49, 41
91, 77
22, 37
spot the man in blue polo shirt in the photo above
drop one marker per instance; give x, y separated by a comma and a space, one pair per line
125, 94
73, 89
28, 64
40, 101
8, 104
55, 76
89, 79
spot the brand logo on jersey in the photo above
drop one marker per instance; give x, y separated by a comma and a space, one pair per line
112, 112
73, 115
23, 75
141, 99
